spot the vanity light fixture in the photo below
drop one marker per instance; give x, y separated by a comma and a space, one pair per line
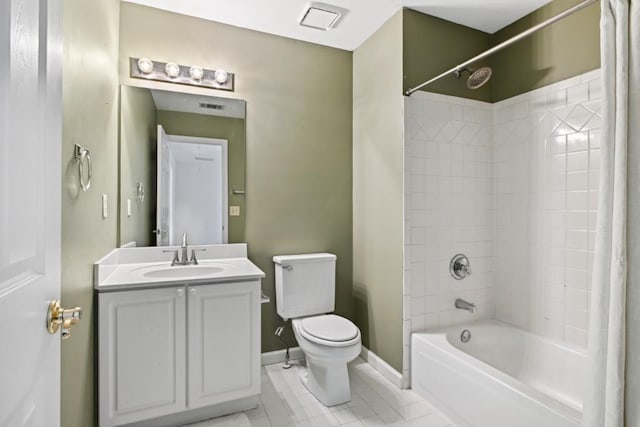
145, 65
171, 72
221, 76
172, 69
196, 72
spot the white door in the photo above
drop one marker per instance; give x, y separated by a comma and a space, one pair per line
163, 203
30, 185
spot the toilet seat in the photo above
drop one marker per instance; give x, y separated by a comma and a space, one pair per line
329, 330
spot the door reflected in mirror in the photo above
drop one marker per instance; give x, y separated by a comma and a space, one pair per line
187, 153
191, 184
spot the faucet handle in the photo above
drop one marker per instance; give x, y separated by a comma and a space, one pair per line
175, 260
460, 267
193, 259
184, 239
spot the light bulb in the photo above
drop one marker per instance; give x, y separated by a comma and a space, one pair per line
172, 69
221, 77
145, 65
196, 72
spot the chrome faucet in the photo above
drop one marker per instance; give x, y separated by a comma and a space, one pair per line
465, 305
184, 259
184, 247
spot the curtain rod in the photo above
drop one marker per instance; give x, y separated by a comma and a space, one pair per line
507, 43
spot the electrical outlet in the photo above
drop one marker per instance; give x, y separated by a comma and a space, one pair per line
234, 210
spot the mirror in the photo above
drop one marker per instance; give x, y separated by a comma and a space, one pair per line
181, 168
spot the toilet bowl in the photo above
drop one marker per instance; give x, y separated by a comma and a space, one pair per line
305, 293
328, 342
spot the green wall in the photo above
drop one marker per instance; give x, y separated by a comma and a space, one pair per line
565, 49
562, 50
298, 135
432, 46
90, 118
138, 135
378, 191
231, 129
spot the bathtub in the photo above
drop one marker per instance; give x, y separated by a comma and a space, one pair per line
502, 377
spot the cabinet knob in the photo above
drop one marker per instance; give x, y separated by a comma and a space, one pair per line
193, 291
180, 292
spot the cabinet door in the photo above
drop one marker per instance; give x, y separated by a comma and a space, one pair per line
141, 354
224, 342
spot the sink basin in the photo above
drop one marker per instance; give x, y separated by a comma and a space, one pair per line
171, 272
164, 271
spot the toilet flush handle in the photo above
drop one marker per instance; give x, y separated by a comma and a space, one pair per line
287, 267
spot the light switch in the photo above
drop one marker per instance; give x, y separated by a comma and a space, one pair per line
104, 206
128, 207
234, 210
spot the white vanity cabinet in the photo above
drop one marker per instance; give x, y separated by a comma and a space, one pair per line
174, 354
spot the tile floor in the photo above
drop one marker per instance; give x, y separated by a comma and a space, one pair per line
374, 402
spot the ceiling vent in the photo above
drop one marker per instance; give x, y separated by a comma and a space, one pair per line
211, 106
322, 16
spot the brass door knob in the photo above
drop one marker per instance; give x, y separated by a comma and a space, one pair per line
65, 317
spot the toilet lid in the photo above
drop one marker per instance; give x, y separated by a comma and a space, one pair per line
330, 328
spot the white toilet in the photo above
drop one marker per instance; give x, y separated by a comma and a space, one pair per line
305, 293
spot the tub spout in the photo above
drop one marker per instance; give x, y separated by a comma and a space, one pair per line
465, 305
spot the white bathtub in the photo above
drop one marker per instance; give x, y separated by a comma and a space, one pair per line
502, 377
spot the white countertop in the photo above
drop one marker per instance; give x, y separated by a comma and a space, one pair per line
133, 268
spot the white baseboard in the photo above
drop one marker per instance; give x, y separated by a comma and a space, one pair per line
295, 353
278, 356
381, 366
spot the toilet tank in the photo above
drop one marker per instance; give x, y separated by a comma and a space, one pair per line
305, 284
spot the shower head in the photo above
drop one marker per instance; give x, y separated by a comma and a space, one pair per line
477, 78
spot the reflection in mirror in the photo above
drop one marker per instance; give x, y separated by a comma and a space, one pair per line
190, 187
182, 168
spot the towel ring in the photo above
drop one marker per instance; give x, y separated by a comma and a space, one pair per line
81, 154
140, 192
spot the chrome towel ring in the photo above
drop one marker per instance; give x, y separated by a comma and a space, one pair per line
140, 191
82, 155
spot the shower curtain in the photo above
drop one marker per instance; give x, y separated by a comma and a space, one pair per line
613, 394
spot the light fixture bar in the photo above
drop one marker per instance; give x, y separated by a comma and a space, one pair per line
193, 75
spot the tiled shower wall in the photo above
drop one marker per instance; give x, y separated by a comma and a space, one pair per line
546, 161
449, 208
513, 185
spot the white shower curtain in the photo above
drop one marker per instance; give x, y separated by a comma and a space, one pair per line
613, 394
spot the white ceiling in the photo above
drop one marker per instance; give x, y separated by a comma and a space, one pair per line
190, 103
280, 17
